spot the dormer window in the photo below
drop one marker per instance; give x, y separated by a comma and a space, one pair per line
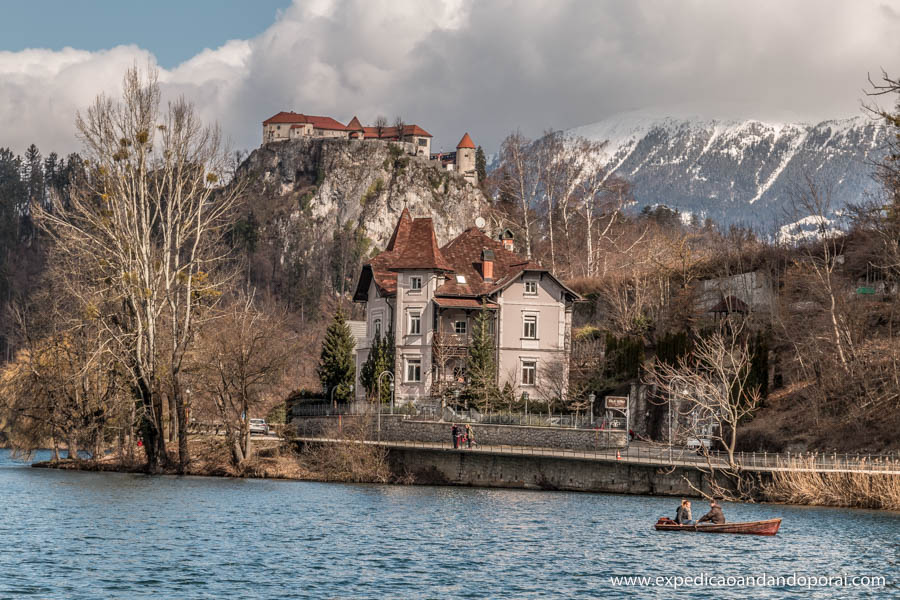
461, 279
415, 284
530, 287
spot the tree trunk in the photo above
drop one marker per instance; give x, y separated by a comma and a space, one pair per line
237, 453
72, 442
184, 456
171, 419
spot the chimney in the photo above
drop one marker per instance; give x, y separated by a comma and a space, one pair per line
506, 238
487, 264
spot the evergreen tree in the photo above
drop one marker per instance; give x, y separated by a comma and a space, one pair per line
481, 363
381, 359
480, 164
336, 364
34, 175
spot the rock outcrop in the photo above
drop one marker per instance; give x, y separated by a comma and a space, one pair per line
332, 184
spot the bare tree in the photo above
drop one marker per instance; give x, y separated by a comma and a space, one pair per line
146, 222
821, 258
712, 385
520, 182
380, 125
399, 125
242, 355
62, 384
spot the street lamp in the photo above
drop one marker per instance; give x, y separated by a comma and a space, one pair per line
591, 398
380, 376
525, 398
333, 401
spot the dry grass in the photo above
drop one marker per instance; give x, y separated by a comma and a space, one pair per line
857, 490
353, 462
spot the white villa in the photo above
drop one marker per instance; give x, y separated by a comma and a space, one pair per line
429, 297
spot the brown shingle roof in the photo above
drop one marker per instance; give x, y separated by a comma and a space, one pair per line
413, 245
465, 254
420, 249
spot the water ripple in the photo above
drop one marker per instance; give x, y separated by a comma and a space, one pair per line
101, 535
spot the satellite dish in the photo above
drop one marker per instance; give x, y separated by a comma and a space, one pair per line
480, 222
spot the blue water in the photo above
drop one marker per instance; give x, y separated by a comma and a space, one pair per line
107, 535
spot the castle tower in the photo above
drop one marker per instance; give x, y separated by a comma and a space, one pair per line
465, 159
356, 129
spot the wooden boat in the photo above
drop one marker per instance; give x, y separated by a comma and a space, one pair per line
767, 527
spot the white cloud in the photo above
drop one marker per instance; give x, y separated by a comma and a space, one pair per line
486, 67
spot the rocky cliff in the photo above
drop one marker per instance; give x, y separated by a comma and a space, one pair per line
334, 184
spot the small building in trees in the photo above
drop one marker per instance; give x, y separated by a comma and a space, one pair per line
439, 303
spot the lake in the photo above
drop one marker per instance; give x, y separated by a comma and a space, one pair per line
78, 535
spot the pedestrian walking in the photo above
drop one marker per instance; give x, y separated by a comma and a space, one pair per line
470, 437
454, 432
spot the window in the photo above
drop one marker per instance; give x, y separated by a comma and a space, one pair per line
529, 327
415, 322
459, 328
529, 372
376, 326
423, 142
460, 279
530, 288
413, 369
415, 284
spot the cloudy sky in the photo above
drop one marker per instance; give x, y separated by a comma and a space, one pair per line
487, 67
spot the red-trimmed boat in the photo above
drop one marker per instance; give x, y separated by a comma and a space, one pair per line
767, 527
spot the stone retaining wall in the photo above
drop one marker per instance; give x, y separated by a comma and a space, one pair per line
399, 428
449, 467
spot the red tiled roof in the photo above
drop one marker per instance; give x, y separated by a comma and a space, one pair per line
354, 125
286, 117
317, 122
390, 133
466, 142
325, 123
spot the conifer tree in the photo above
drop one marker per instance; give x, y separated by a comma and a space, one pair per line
336, 364
480, 164
381, 359
481, 364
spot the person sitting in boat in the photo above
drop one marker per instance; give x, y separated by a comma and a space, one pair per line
683, 514
715, 514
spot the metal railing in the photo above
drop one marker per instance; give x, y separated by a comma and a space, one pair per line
433, 412
667, 456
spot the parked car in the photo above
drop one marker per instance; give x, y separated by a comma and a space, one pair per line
700, 445
259, 426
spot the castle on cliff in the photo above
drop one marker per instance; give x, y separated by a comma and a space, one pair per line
291, 125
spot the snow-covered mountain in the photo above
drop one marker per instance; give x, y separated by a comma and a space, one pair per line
738, 171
